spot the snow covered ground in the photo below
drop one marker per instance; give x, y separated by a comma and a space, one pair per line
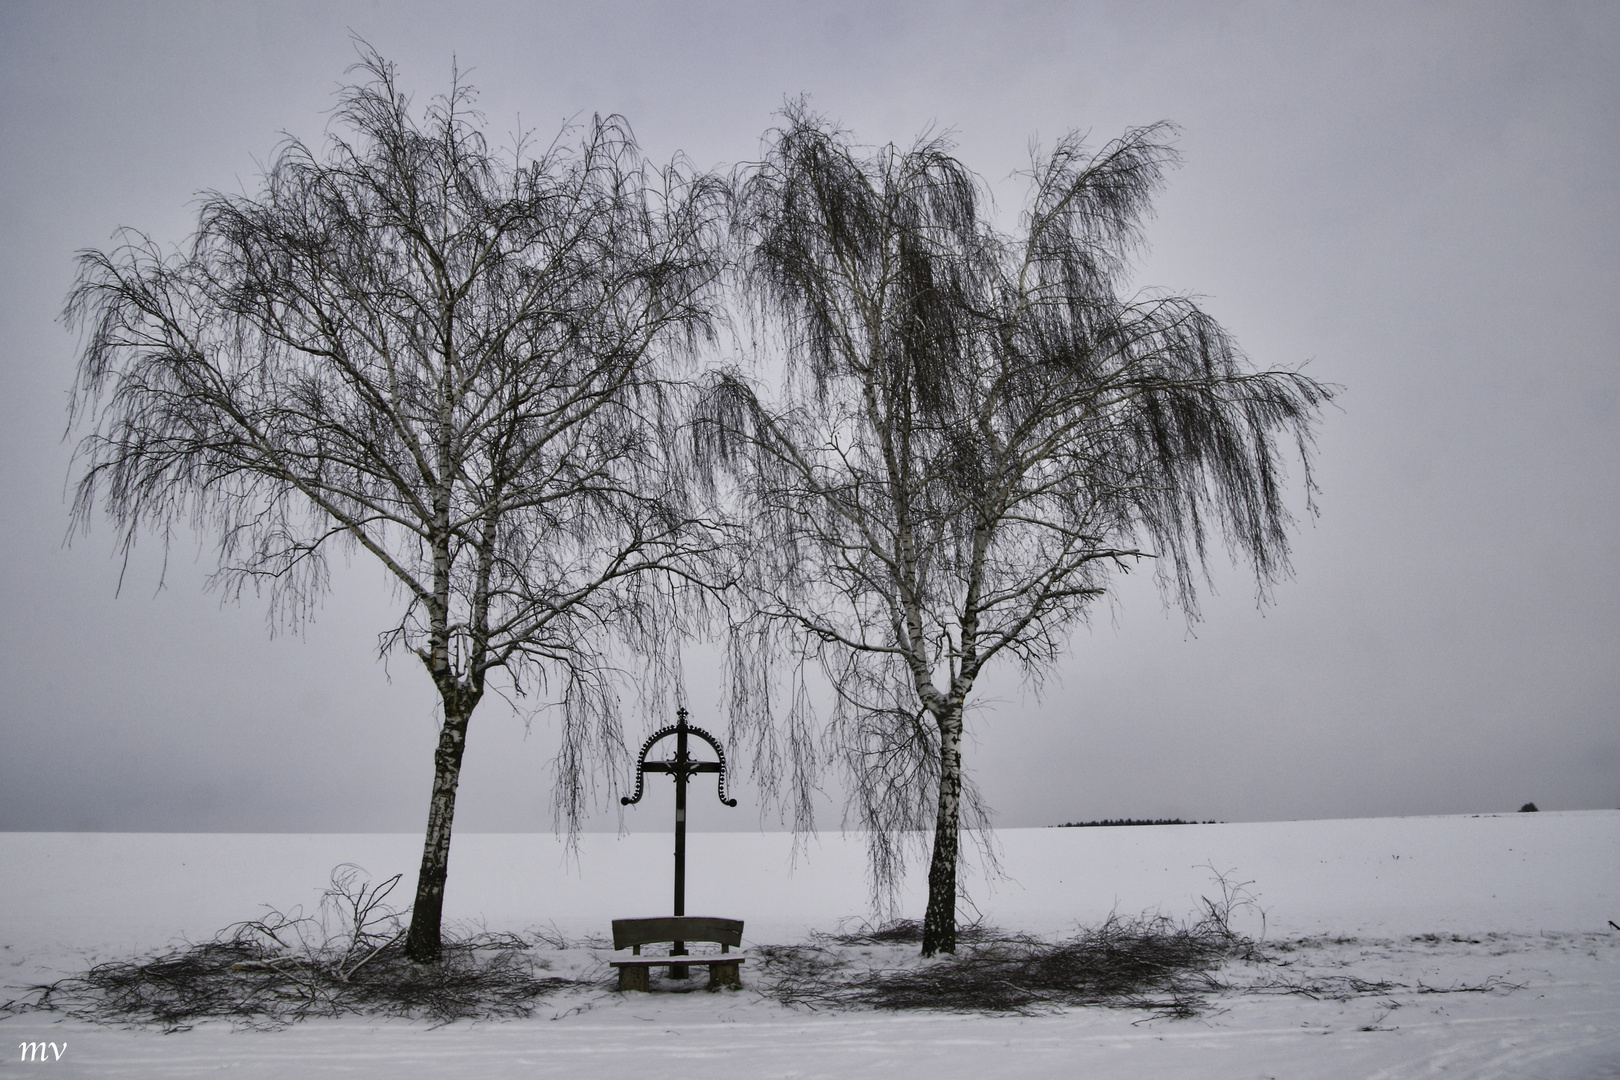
1490, 935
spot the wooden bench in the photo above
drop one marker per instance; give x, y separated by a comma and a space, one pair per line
724, 970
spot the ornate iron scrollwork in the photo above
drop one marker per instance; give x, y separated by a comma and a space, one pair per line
682, 765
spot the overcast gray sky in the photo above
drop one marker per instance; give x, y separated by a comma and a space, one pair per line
1418, 199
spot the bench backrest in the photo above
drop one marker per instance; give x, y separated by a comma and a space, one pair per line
628, 932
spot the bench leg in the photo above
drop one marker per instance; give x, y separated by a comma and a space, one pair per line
633, 977
724, 975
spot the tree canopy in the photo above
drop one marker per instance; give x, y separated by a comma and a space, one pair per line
451, 357
976, 432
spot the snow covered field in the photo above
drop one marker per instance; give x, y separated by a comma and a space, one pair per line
1514, 907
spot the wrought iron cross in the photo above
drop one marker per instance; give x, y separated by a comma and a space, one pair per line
680, 767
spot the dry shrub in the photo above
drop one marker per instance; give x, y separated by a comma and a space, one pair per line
897, 932
1150, 962
1146, 963
348, 959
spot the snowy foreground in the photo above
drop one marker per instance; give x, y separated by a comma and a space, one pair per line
1508, 912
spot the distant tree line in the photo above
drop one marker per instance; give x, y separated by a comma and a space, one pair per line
1130, 821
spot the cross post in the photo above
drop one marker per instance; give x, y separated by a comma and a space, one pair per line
681, 767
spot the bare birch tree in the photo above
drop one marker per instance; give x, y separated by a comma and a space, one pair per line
448, 356
977, 432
